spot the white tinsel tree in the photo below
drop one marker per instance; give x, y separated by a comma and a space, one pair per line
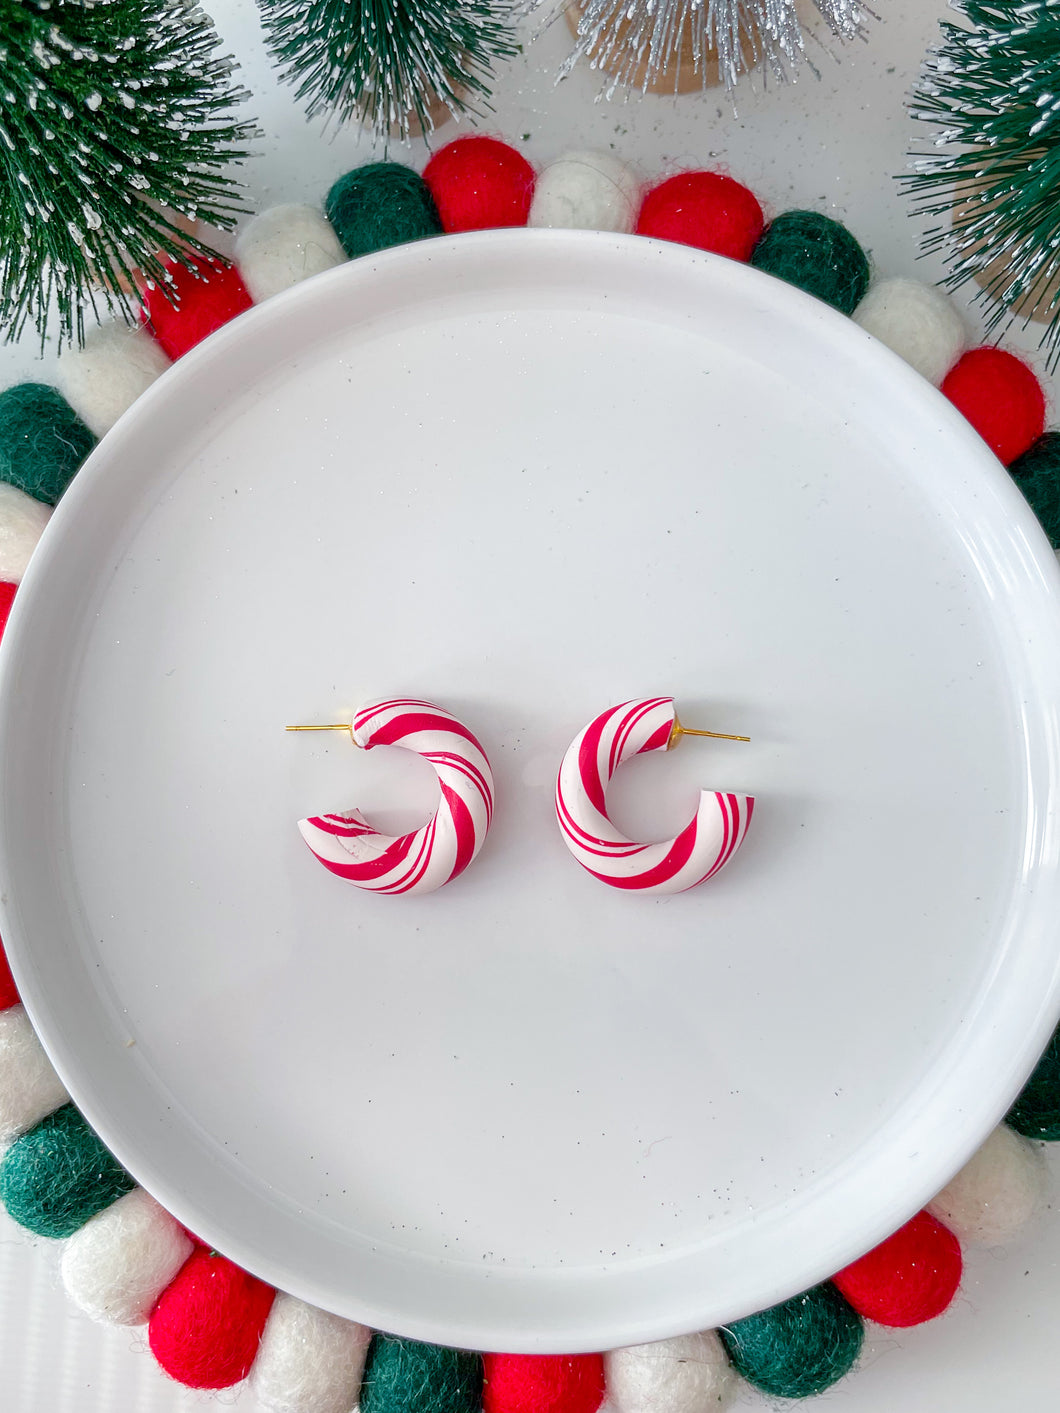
639, 41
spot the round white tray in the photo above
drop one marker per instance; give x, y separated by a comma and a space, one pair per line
528, 475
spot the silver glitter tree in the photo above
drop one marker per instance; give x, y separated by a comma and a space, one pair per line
647, 43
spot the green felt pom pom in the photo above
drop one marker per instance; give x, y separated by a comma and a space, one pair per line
404, 1376
380, 205
797, 1349
817, 254
42, 440
1037, 474
58, 1175
1036, 1113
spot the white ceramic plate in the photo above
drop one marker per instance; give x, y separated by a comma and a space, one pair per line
528, 475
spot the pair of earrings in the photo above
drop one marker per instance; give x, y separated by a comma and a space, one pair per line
431, 856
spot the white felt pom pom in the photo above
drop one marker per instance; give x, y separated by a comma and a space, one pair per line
691, 1374
22, 522
29, 1087
308, 1361
919, 322
997, 1191
116, 366
121, 1261
589, 191
283, 246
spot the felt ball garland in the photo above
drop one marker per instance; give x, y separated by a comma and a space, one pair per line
283, 245
705, 209
123, 1258
405, 1376
22, 522
1001, 398
997, 1191
690, 1374
918, 322
58, 1175
543, 1383
196, 300
308, 1361
8, 989
1037, 473
101, 380
126, 1260
590, 191
30, 1089
42, 440
479, 184
380, 205
206, 1325
1036, 1113
818, 255
908, 1279
798, 1348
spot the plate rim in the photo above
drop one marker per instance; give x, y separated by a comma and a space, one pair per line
255, 323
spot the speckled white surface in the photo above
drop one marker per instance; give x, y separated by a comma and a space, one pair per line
835, 145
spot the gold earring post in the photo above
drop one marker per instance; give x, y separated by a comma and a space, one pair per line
337, 726
333, 726
678, 731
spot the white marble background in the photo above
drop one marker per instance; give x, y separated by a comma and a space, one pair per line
836, 145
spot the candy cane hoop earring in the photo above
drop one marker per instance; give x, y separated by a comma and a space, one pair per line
702, 848
438, 852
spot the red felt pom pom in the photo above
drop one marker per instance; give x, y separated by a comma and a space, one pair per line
705, 209
479, 183
542, 1383
199, 301
909, 1278
1001, 398
7, 598
8, 990
207, 1324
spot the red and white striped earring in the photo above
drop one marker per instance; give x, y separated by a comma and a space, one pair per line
702, 848
439, 852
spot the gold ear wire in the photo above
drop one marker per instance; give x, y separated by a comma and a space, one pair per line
678, 731
335, 726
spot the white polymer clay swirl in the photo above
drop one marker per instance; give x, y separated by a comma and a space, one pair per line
702, 848
424, 860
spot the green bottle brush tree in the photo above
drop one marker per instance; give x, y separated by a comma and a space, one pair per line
115, 119
991, 168
385, 63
